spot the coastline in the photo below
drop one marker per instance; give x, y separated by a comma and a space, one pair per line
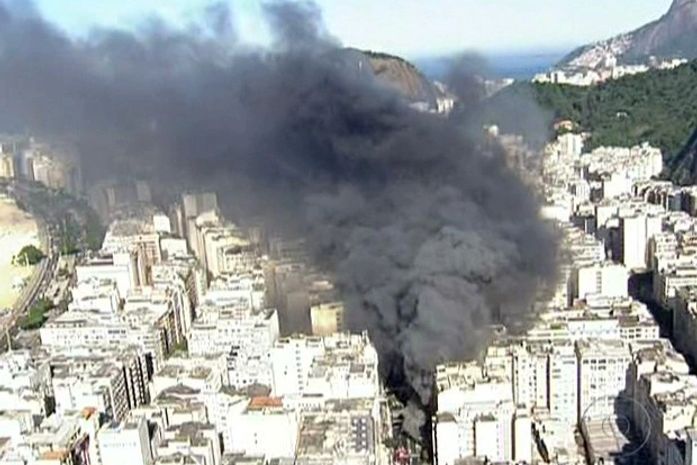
17, 229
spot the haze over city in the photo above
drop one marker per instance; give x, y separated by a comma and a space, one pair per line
348, 232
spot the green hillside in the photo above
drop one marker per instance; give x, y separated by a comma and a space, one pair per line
659, 106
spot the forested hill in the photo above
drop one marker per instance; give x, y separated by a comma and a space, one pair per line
659, 106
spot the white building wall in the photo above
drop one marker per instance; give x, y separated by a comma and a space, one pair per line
633, 230
250, 433
602, 377
522, 439
290, 361
605, 279
125, 445
563, 384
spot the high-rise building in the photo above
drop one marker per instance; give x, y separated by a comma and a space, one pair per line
602, 377
475, 415
245, 338
603, 279
685, 321
563, 382
192, 206
98, 386
522, 437
7, 166
635, 231
327, 318
120, 267
126, 442
530, 375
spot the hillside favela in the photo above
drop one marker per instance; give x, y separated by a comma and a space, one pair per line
366, 232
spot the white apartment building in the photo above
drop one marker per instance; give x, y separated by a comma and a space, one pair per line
25, 399
654, 356
54, 172
291, 359
250, 422
19, 369
171, 247
636, 229
186, 281
161, 223
530, 374
207, 374
193, 205
348, 369
604, 279
570, 145
198, 441
121, 268
616, 185
668, 281
181, 404
602, 377
340, 366
344, 432
245, 338
327, 318
522, 437
7, 166
150, 327
127, 442
475, 415
227, 250
598, 318
158, 315
56, 440
245, 290
563, 382
663, 249
665, 404
135, 233
638, 163
685, 321
92, 364
15, 424
97, 294
101, 387
84, 328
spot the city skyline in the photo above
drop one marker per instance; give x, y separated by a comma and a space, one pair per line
497, 27
226, 238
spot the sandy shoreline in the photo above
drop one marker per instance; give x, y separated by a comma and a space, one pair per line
17, 229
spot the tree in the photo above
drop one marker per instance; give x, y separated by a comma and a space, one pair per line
37, 315
29, 255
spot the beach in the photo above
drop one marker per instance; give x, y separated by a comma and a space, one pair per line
17, 229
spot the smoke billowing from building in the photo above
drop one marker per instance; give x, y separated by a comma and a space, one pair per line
431, 237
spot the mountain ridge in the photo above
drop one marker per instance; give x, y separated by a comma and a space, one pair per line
673, 35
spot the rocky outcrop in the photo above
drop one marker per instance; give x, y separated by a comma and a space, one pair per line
395, 72
674, 35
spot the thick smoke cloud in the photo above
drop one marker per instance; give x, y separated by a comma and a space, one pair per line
430, 236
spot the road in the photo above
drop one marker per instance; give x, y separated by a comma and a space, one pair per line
51, 209
34, 289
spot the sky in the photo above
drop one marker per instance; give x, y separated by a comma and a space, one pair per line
412, 28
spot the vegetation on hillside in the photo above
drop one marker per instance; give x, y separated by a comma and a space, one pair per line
659, 107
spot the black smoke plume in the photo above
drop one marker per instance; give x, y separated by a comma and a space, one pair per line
430, 236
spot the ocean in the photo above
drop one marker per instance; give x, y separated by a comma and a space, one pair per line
521, 66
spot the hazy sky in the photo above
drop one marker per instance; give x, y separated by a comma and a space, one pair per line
408, 27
